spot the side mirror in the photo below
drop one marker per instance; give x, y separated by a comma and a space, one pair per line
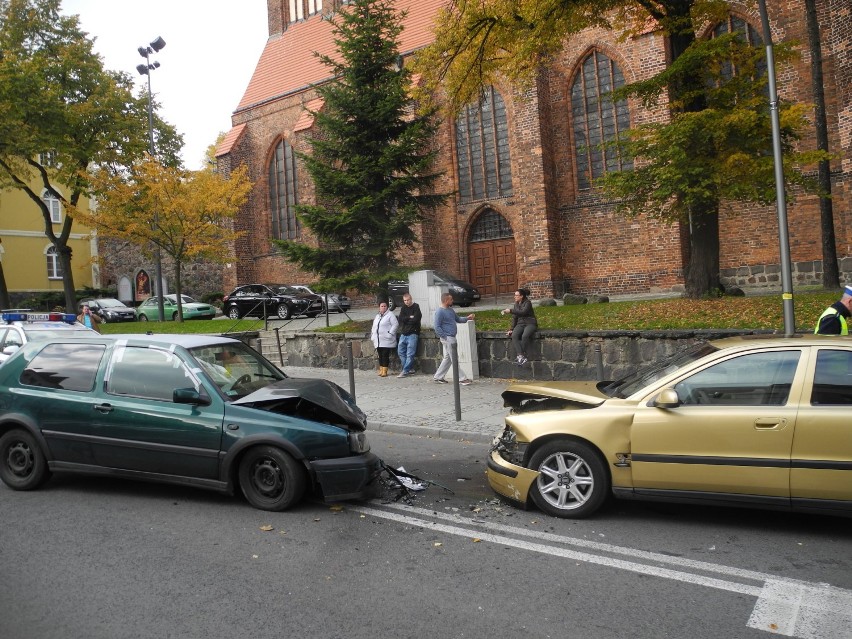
10, 349
189, 396
667, 399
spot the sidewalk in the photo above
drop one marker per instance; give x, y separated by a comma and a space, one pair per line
417, 405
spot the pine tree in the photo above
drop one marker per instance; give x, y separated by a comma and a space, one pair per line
371, 157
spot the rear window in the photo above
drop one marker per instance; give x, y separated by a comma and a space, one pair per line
67, 366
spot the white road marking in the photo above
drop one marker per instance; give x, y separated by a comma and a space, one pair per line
786, 607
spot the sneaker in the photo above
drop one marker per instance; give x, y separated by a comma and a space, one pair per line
440, 381
466, 382
402, 374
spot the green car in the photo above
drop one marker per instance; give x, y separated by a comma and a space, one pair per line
194, 410
148, 311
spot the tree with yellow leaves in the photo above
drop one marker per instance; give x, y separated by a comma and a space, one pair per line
187, 214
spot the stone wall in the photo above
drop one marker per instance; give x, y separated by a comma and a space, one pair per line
556, 355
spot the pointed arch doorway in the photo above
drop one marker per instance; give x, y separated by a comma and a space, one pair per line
491, 247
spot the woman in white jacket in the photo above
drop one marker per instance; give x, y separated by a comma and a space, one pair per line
384, 336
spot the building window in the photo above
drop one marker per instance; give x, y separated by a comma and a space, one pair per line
490, 226
47, 159
482, 149
54, 266
53, 205
297, 10
597, 120
746, 33
282, 192
314, 6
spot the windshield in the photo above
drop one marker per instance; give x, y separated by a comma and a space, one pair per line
185, 299
110, 303
236, 369
646, 375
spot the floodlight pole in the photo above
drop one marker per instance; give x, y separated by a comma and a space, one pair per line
145, 69
781, 200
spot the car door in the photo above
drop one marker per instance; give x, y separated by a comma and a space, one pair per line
732, 432
139, 427
821, 474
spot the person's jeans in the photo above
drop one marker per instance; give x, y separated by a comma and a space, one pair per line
522, 337
407, 348
447, 362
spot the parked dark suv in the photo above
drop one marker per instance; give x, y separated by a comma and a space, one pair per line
270, 300
464, 293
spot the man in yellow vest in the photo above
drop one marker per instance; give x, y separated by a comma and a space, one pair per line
833, 321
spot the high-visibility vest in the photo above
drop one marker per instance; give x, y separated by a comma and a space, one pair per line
844, 328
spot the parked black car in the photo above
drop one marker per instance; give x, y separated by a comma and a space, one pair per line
336, 302
109, 309
464, 293
268, 300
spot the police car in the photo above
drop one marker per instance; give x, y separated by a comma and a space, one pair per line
17, 327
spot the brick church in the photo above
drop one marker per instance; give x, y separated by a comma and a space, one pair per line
525, 211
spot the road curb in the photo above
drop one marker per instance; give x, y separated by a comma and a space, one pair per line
427, 431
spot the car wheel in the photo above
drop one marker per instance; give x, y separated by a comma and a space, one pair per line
283, 311
22, 464
234, 313
391, 304
174, 316
143, 317
573, 482
271, 479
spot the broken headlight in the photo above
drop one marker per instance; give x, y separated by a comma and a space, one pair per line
358, 443
509, 448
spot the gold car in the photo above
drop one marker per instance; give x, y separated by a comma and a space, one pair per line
747, 421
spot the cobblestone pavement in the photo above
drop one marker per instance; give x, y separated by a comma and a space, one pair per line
417, 405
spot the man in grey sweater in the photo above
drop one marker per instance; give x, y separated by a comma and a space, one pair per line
446, 330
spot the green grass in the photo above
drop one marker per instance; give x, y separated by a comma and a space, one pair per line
187, 327
760, 312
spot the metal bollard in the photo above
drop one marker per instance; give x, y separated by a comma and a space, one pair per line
351, 365
599, 362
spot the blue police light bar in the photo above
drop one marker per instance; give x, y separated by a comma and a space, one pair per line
68, 318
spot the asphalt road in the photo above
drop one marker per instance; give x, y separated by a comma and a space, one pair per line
95, 558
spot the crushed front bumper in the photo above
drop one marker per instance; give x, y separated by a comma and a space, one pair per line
508, 479
347, 477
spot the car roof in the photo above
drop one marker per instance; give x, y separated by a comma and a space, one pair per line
161, 339
768, 340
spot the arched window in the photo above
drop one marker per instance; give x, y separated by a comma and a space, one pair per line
490, 226
482, 149
53, 205
282, 192
746, 33
54, 266
597, 120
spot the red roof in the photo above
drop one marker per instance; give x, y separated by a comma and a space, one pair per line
288, 63
230, 139
306, 119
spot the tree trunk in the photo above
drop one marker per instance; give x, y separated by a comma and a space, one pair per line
702, 270
178, 291
5, 302
830, 271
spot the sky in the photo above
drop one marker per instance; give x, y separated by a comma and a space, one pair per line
212, 48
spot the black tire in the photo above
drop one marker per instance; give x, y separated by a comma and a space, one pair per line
283, 311
271, 479
143, 317
312, 315
391, 304
174, 316
22, 462
573, 483
234, 313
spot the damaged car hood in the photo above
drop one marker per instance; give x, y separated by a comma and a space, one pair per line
320, 394
585, 394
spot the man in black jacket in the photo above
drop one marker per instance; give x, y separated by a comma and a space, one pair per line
409, 333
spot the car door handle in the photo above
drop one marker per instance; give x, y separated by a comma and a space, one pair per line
103, 408
770, 423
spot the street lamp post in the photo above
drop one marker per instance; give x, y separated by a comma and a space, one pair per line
145, 69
